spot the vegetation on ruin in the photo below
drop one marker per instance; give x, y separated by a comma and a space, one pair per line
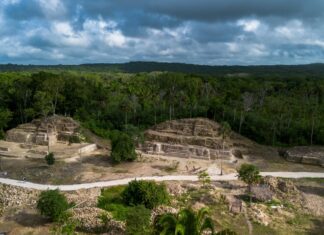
50, 159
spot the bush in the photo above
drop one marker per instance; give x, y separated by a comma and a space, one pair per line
111, 200
75, 139
53, 204
147, 193
138, 221
123, 148
50, 159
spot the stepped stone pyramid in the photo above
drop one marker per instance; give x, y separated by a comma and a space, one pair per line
44, 131
189, 138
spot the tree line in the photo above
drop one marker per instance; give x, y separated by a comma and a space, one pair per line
270, 110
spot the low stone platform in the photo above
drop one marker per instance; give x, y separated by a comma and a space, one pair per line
60, 150
305, 155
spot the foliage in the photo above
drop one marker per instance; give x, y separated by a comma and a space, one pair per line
204, 178
138, 221
186, 222
250, 174
225, 130
111, 200
147, 193
137, 218
75, 139
50, 159
66, 227
53, 204
123, 148
5, 117
271, 106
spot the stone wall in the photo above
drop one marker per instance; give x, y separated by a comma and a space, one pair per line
89, 148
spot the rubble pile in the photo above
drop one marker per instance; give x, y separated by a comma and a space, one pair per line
160, 210
17, 197
92, 219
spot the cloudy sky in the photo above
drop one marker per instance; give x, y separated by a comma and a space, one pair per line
212, 32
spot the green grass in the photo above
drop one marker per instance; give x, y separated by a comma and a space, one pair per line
264, 230
111, 200
273, 202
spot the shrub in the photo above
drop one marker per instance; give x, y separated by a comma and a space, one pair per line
204, 178
75, 139
138, 220
111, 200
50, 159
53, 204
123, 148
147, 193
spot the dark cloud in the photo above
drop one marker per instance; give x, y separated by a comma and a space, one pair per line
204, 31
209, 10
24, 10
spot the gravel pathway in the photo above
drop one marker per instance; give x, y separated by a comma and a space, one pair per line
101, 184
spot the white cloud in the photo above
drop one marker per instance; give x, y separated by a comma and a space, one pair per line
292, 30
106, 31
249, 25
115, 39
65, 34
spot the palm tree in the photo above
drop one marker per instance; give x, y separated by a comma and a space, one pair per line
187, 222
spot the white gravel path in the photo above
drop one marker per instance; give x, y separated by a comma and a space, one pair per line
102, 184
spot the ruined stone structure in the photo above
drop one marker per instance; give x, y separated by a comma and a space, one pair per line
44, 131
188, 138
57, 134
305, 155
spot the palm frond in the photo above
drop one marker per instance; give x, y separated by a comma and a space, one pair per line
180, 229
168, 222
207, 224
202, 213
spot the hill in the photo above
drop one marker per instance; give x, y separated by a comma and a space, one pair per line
310, 70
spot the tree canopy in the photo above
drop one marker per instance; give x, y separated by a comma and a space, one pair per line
270, 109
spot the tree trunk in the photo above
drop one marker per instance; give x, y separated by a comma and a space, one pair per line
234, 115
312, 131
154, 116
241, 121
274, 133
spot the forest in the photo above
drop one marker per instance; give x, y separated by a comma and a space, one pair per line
278, 109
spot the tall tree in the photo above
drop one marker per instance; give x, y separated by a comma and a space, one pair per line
250, 175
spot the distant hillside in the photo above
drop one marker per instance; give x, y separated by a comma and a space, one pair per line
312, 70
